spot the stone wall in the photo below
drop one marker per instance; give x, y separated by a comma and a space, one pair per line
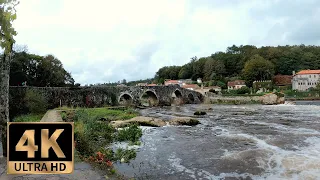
268, 99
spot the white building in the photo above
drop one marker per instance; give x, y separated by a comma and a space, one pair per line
237, 84
199, 80
305, 79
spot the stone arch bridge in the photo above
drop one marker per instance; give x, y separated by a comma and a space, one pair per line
104, 95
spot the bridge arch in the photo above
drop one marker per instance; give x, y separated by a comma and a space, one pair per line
149, 98
191, 98
177, 97
125, 99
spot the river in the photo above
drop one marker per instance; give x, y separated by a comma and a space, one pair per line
232, 142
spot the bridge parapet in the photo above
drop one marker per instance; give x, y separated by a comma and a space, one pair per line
107, 96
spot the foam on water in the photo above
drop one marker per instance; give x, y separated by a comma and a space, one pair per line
285, 164
301, 131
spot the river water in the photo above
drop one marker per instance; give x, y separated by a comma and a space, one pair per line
232, 142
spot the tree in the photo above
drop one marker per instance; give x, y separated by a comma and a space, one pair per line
213, 69
185, 72
50, 72
257, 68
7, 32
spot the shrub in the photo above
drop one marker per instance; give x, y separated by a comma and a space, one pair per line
132, 133
35, 102
243, 90
125, 155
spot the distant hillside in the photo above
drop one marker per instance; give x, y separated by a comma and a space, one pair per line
246, 62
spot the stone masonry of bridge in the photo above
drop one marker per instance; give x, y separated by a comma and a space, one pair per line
104, 96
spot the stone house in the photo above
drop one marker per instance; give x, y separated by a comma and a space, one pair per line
237, 84
168, 82
180, 82
305, 79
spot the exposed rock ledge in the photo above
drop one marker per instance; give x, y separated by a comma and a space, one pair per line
273, 98
155, 122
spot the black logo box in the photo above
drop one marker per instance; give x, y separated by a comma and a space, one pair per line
65, 141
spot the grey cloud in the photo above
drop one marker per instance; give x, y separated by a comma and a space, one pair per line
126, 69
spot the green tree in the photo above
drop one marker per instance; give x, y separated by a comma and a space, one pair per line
257, 68
7, 32
50, 72
213, 69
185, 72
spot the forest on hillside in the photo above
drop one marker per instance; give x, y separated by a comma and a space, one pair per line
246, 62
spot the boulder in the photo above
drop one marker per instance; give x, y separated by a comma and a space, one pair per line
141, 120
199, 113
272, 98
184, 121
155, 122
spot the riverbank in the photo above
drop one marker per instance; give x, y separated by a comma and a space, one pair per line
303, 99
267, 99
232, 100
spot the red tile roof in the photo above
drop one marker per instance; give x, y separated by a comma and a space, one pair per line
236, 82
282, 80
309, 72
172, 82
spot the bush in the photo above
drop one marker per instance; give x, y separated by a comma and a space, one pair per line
212, 90
125, 155
243, 90
92, 135
35, 102
132, 133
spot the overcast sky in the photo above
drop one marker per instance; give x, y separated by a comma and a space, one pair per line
103, 40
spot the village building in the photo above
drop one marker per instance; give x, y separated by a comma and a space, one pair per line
305, 79
168, 82
180, 82
191, 86
237, 84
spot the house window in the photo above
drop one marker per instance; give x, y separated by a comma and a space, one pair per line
309, 76
314, 75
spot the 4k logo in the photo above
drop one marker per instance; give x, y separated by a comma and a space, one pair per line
40, 148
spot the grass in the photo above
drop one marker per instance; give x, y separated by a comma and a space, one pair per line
28, 118
108, 114
93, 136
